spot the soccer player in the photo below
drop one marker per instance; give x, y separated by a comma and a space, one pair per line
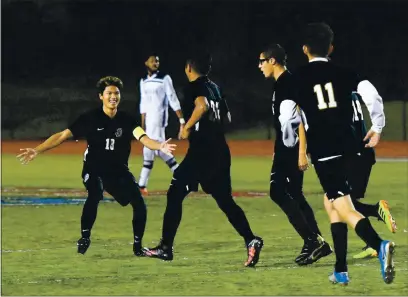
359, 168
156, 93
109, 133
207, 161
323, 92
286, 179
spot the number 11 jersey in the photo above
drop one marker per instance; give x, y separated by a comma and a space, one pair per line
323, 91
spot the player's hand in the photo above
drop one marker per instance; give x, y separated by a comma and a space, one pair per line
167, 147
374, 138
27, 155
185, 133
180, 131
303, 162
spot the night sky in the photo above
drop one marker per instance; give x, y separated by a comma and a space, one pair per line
73, 43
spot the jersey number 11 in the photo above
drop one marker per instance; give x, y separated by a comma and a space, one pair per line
320, 98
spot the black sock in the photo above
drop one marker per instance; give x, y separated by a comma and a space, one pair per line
367, 233
309, 216
236, 216
173, 213
139, 218
88, 217
339, 233
367, 210
296, 218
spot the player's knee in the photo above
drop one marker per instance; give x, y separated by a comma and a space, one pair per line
225, 201
93, 198
277, 193
138, 204
148, 164
176, 194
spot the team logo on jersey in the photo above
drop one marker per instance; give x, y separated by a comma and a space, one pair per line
86, 177
118, 132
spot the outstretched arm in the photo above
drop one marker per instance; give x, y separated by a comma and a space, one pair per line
165, 147
54, 140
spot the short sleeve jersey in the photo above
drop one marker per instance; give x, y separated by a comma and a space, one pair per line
208, 133
109, 139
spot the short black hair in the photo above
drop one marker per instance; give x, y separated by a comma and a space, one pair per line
109, 81
318, 37
151, 54
200, 61
277, 52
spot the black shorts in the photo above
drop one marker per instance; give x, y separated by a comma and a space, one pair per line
332, 174
211, 171
121, 185
358, 174
285, 173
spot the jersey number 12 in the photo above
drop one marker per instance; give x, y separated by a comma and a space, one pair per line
320, 98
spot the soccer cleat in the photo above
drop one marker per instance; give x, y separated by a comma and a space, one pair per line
386, 256
161, 252
385, 215
341, 278
322, 249
254, 250
83, 244
366, 253
138, 250
144, 191
304, 253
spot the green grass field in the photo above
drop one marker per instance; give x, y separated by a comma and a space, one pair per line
39, 242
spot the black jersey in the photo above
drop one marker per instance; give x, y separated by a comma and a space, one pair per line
208, 133
284, 90
360, 129
109, 139
324, 92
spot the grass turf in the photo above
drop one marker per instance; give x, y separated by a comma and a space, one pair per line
39, 254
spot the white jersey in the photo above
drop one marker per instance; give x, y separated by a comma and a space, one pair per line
156, 93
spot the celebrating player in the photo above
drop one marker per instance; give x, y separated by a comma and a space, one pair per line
288, 163
109, 133
323, 92
207, 161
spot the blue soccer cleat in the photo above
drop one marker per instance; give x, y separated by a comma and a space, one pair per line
341, 278
386, 256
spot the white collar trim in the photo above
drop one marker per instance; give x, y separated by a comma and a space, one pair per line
319, 59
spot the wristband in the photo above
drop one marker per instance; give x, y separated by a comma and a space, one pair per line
182, 121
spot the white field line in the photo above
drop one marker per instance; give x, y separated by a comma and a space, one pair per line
243, 270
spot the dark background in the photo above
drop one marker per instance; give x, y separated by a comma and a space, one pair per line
53, 52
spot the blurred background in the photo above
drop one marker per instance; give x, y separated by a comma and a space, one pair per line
54, 51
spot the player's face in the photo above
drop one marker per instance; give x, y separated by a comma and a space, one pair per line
110, 97
153, 63
265, 66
